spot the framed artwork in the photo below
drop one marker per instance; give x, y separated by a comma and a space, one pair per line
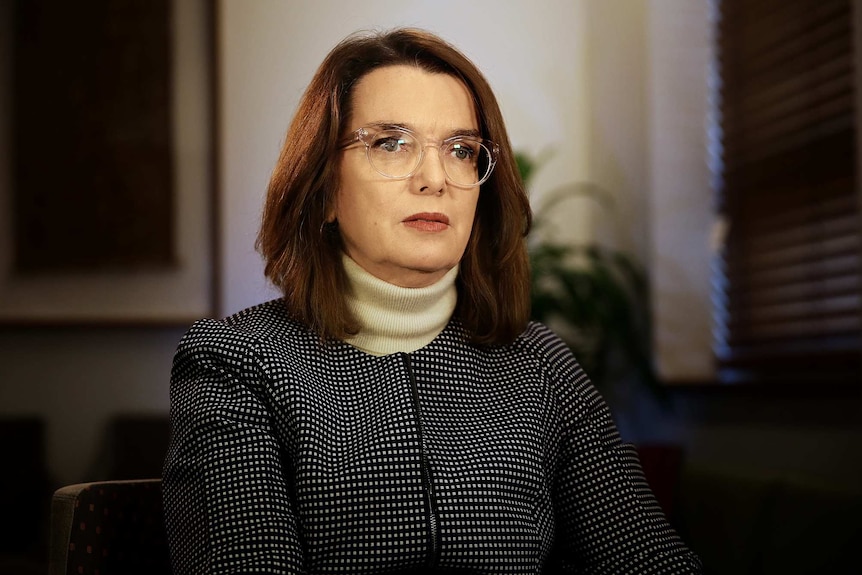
107, 162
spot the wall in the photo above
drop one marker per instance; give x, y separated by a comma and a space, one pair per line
812, 434
679, 198
610, 92
272, 48
77, 379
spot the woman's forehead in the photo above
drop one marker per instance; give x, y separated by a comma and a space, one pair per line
432, 103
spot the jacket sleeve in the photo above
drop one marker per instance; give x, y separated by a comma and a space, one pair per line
226, 498
608, 520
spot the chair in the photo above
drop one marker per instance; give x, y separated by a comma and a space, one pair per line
108, 528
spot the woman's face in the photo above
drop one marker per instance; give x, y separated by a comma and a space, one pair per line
408, 232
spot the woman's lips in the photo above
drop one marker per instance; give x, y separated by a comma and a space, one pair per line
426, 222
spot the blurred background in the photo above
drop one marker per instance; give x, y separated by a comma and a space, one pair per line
629, 97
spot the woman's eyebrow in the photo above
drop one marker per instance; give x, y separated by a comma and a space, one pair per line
391, 126
468, 133
456, 133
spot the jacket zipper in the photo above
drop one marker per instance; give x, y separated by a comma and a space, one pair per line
430, 502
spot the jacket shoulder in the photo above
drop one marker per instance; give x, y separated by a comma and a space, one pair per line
557, 361
540, 341
242, 331
264, 320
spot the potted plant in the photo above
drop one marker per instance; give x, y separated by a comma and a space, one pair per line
596, 298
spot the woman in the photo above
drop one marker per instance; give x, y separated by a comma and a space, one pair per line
395, 410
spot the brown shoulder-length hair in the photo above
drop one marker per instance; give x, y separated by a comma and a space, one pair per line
303, 253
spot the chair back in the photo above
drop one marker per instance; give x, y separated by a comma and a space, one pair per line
109, 528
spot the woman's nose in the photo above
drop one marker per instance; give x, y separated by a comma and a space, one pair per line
430, 175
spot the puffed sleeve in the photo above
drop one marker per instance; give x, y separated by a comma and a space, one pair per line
608, 520
226, 496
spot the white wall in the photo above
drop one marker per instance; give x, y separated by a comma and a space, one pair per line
569, 76
679, 199
601, 91
536, 55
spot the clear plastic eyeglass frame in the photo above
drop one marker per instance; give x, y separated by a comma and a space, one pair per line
367, 136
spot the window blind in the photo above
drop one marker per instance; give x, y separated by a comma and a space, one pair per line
788, 278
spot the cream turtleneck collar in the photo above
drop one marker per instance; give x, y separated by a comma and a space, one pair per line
397, 319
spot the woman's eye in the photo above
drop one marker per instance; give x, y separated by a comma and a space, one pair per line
461, 151
390, 144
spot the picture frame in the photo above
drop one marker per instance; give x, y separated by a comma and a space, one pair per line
177, 288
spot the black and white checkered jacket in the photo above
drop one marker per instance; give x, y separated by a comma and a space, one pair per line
289, 456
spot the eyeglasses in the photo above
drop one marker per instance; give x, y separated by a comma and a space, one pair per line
397, 153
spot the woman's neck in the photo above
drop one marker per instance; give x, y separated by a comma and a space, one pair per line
396, 319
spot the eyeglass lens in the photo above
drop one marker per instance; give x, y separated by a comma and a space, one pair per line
397, 154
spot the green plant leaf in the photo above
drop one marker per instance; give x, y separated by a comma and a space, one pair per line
601, 302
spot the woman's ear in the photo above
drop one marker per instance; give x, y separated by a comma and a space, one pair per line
330, 209
331, 214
